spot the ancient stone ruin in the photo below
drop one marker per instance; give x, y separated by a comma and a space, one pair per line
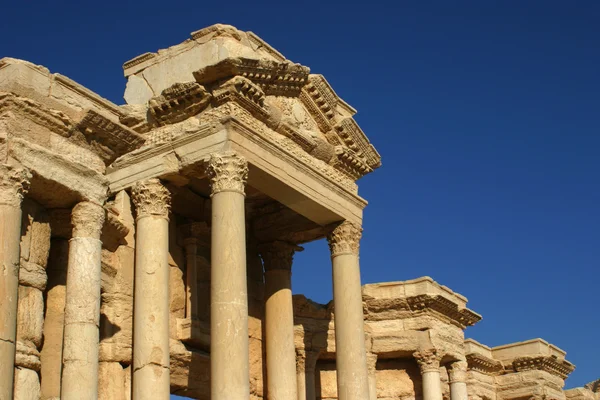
147, 249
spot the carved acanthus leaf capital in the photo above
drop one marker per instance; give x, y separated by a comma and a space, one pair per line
278, 255
228, 172
345, 239
87, 220
151, 198
14, 183
457, 371
428, 360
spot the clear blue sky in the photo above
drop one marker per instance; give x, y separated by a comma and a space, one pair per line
486, 114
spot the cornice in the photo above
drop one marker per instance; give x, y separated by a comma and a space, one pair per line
178, 102
462, 317
277, 78
480, 363
552, 365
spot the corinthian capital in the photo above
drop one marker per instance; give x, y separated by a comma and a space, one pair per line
345, 239
151, 198
87, 220
278, 255
428, 360
14, 183
457, 371
228, 172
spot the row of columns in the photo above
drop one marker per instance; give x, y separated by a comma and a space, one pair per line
229, 299
429, 365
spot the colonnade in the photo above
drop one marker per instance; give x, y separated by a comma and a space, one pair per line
227, 172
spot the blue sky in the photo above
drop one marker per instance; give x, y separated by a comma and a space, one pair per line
486, 114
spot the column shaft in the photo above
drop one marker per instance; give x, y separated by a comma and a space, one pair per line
82, 304
351, 363
12, 185
229, 358
151, 369
191, 308
279, 321
306, 366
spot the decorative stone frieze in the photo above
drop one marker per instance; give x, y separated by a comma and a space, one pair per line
278, 255
485, 365
344, 239
14, 183
113, 139
228, 172
428, 360
457, 371
245, 93
151, 198
552, 365
178, 102
56, 121
87, 220
277, 78
444, 306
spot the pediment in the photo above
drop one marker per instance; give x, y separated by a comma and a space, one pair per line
221, 64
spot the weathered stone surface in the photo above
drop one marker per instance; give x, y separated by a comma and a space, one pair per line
252, 148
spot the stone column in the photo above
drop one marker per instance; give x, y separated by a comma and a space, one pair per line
13, 184
151, 369
429, 364
229, 358
351, 359
279, 320
191, 275
372, 367
457, 374
306, 364
82, 304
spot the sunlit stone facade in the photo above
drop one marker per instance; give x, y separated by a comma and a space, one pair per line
147, 249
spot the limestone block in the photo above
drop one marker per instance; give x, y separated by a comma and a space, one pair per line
40, 242
177, 299
27, 356
27, 384
111, 381
30, 315
116, 327
190, 371
33, 275
327, 382
255, 348
137, 90
396, 383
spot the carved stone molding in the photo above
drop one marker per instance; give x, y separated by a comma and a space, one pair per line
87, 220
278, 255
428, 360
480, 363
344, 239
14, 183
274, 77
457, 371
228, 172
151, 198
462, 317
178, 102
554, 366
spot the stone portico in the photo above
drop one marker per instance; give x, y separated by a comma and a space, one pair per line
148, 248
